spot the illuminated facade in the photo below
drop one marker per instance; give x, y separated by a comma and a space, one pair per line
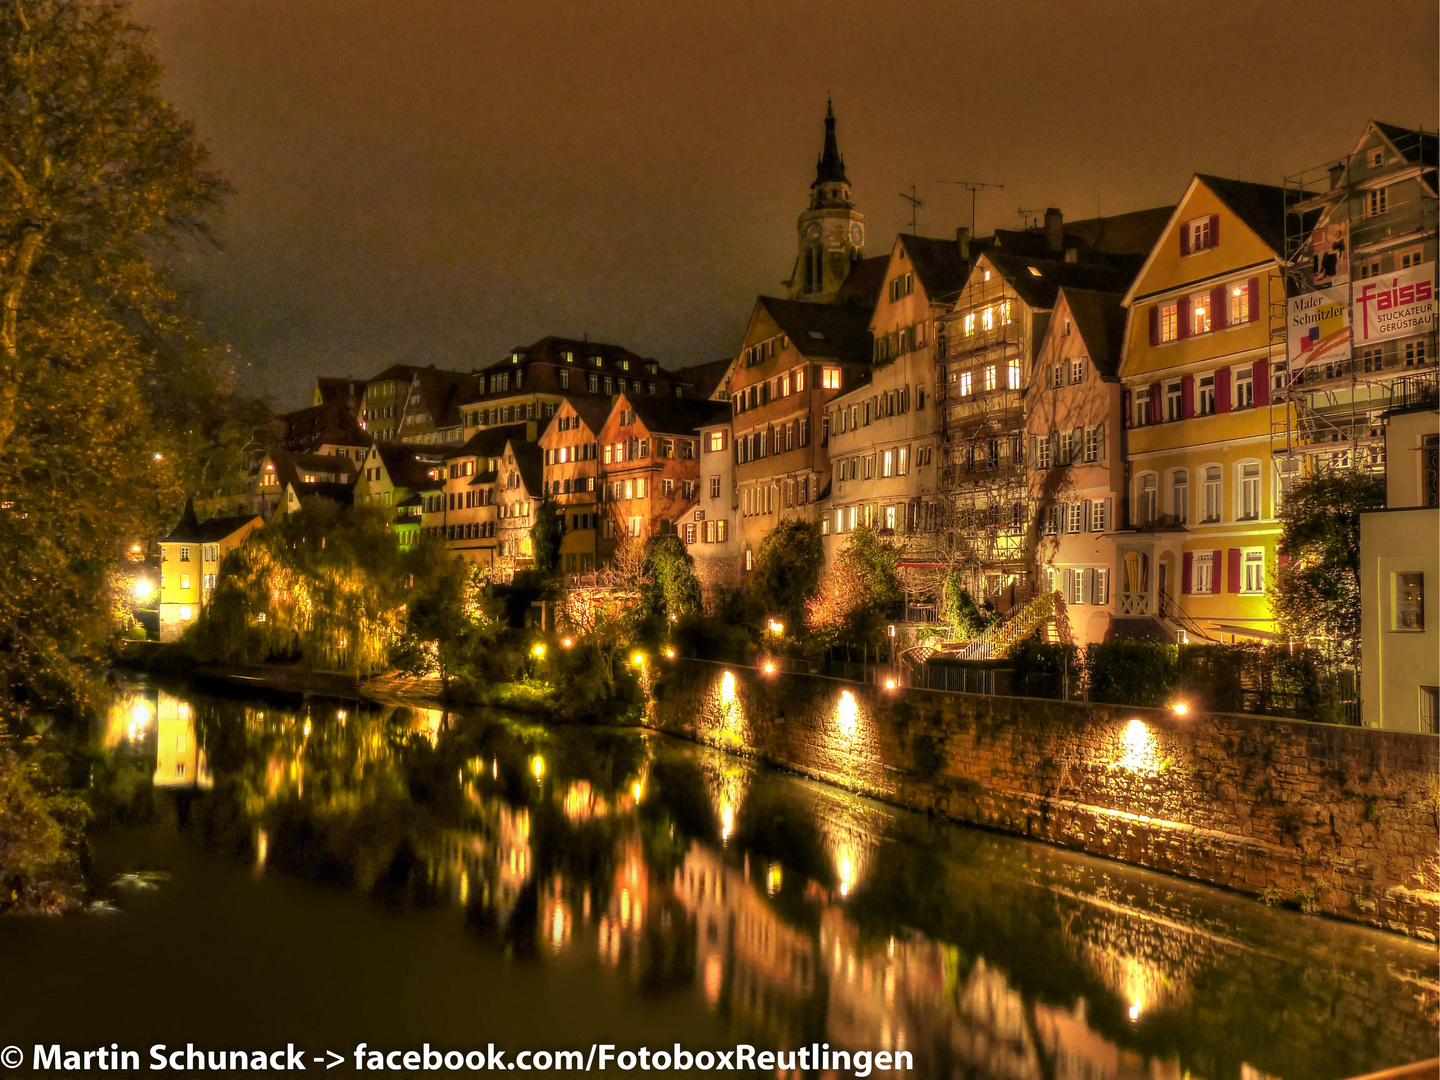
831, 233
392, 476
571, 447
190, 558
708, 526
1196, 551
460, 501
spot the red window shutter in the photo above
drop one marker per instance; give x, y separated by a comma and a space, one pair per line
1155, 324
1125, 408
1218, 313
1253, 287
1184, 239
1184, 307
1262, 382
1282, 560
1232, 570
1187, 396
1222, 390
1157, 404
1187, 571
1214, 230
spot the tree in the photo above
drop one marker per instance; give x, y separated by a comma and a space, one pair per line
672, 590
966, 620
787, 571
453, 619
546, 534
109, 393
1317, 585
857, 597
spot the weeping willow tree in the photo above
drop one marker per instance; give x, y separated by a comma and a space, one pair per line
326, 585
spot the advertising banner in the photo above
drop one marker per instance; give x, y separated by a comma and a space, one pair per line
1394, 305
1331, 245
1318, 327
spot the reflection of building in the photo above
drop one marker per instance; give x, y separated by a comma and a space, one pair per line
189, 562
1399, 575
179, 758
764, 968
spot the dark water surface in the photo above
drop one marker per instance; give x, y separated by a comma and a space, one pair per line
332, 872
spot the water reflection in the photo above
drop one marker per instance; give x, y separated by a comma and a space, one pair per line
795, 912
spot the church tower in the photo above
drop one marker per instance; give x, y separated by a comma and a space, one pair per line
831, 231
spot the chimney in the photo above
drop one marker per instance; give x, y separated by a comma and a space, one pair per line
1337, 173
1054, 230
962, 239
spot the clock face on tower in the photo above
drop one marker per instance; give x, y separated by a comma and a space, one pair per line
812, 230
857, 234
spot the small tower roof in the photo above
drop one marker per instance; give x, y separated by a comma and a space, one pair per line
830, 169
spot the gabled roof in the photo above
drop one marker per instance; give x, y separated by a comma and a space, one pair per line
828, 331
1100, 321
489, 442
1417, 147
333, 422
593, 412
329, 389
938, 264
530, 461
1262, 207
343, 494
1039, 281
405, 464
863, 284
444, 392
395, 373
210, 531
678, 416
707, 378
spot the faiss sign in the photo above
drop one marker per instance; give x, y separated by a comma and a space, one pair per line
1393, 305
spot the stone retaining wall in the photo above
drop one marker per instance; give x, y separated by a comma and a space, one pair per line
1331, 819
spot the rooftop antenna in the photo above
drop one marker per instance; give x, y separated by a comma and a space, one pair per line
1027, 216
915, 205
971, 186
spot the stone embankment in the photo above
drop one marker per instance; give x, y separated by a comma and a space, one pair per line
1328, 819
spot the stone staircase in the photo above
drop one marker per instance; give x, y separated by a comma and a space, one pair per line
995, 643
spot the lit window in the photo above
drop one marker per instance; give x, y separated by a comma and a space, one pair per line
965, 378
1200, 314
1170, 322
1239, 304
990, 377
1035, 271
185, 613
970, 323
987, 319
1005, 313
1409, 601
1012, 375
830, 378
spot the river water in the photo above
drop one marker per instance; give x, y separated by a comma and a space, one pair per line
329, 872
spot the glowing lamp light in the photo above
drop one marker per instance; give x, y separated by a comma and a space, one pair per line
340, 714
142, 588
1138, 745
727, 688
891, 629
135, 547
769, 667
538, 651
159, 457
1135, 1007
776, 626
638, 659
307, 729
565, 643
847, 712
638, 791
889, 684
537, 766
1180, 708
774, 878
669, 653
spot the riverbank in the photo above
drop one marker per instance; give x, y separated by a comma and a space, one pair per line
1336, 820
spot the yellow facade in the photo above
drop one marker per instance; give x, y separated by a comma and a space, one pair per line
1197, 551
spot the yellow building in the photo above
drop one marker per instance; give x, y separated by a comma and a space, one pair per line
1197, 550
189, 561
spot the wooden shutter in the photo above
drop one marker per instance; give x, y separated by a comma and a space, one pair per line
1184, 239
1214, 230
1219, 316
1261, 375
1154, 324
1184, 312
1157, 404
1187, 572
1232, 570
1187, 396
1100, 428
1222, 390
1125, 408
1253, 288
1087, 586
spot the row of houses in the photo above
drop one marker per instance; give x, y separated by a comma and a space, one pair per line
1110, 409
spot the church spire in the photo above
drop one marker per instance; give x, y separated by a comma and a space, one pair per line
830, 169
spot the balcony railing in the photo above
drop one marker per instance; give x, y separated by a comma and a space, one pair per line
1134, 603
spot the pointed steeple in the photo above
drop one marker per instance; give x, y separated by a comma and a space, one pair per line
830, 169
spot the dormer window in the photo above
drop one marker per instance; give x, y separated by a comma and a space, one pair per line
596, 361
1375, 158
514, 357
1201, 234
568, 356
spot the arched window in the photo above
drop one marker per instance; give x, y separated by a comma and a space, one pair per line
1147, 500
1210, 497
1180, 495
1250, 495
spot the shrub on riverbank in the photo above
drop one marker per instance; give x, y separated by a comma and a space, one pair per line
42, 825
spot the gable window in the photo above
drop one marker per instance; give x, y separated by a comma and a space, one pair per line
1202, 233
1376, 202
1200, 314
1077, 370
1375, 158
1170, 322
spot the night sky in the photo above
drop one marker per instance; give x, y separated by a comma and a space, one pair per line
436, 181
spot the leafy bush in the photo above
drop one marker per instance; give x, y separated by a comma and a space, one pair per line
1040, 669
1131, 672
41, 831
